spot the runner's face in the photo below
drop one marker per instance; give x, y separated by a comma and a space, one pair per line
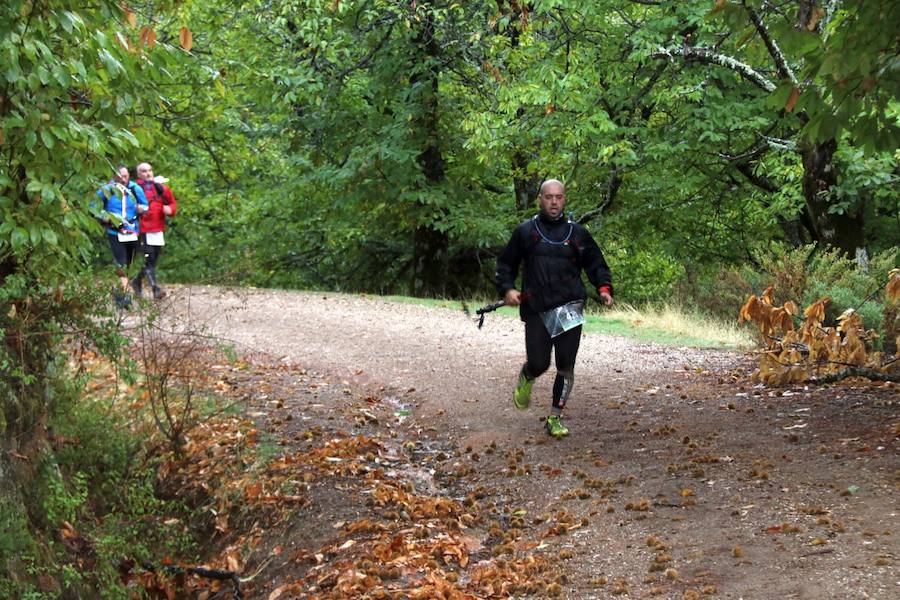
553, 200
145, 172
123, 176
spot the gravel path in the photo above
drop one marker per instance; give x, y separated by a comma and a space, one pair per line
438, 351
745, 492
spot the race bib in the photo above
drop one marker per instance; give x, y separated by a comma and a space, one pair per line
563, 318
155, 238
127, 237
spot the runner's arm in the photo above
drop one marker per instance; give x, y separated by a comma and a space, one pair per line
508, 265
142, 204
170, 204
595, 266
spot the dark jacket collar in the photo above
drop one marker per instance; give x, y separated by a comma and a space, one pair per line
546, 219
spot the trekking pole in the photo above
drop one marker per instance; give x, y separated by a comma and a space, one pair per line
483, 310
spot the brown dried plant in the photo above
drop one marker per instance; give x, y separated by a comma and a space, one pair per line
813, 351
167, 361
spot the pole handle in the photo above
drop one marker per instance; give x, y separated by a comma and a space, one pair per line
490, 307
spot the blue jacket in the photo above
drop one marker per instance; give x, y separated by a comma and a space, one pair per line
111, 200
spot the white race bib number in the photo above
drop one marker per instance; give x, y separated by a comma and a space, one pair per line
155, 238
127, 237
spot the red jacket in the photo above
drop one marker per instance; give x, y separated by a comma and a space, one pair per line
154, 219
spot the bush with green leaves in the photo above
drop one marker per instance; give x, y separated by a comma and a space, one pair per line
99, 478
809, 273
641, 275
79, 80
804, 275
15, 538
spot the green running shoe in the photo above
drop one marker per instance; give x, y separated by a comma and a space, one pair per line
555, 427
522, 395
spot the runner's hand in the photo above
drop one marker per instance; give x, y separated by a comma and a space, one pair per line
606, 298
513, 298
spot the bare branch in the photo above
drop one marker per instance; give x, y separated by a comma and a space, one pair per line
760, 181
780, 144
496, 189
708, 56
777, 55
612, 188
753, 153
651, 81
870, 374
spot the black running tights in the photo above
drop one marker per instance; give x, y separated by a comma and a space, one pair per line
538, 344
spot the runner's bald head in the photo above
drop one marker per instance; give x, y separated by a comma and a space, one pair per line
550, 182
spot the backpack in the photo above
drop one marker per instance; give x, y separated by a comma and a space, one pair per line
160, 191
568, 241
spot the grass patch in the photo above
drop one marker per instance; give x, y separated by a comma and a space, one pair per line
434, 302
668, 324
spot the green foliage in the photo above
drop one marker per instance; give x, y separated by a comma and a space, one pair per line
306, 168
37, 318
642, 275
804, 275
851, 286
97, 480
67, 112
717, 290
61, 498
858, 75
76, 88
98, 449
788, 270
15, 539
75, 81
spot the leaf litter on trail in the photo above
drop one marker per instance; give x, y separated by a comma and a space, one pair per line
406, 543
260, 474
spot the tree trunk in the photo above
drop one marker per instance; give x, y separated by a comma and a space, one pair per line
527, 185
845, 231
430, 263
430, 245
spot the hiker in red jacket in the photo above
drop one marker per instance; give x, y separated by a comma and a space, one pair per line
153, 226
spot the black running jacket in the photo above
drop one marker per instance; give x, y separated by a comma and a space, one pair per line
554, 252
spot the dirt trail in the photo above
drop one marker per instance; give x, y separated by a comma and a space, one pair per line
688, 477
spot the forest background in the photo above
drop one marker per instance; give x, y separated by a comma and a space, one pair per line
389, 146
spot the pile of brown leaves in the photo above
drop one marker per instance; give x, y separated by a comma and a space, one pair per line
412, 545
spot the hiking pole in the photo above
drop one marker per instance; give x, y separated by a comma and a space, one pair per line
483, 310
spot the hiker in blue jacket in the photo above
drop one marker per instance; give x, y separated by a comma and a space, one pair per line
122, 201
553, 250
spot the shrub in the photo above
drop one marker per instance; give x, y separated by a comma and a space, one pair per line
808, 274
96, 476
15, 539
716, 291
642, 276
804, 275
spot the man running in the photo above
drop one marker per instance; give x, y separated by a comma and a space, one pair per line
162, 204
122, 202
553, 250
